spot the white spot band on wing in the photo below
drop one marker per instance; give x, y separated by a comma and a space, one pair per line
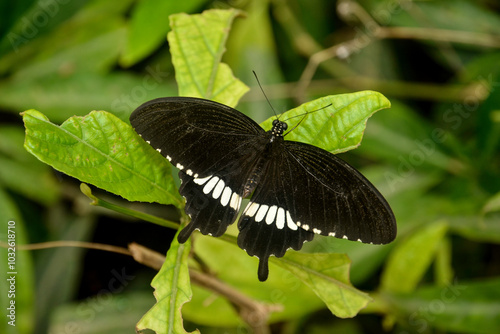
201, 181
218, 189
226, 196
210, 185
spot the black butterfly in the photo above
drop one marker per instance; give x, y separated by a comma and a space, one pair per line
298, 189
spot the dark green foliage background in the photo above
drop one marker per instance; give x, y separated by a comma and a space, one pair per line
434, 154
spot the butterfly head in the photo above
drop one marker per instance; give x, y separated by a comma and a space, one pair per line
279, 128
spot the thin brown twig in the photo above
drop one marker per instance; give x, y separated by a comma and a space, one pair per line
371, 31
70, 243
441, 35
395, 88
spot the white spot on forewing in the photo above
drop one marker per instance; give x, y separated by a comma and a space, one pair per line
235, 201
316, 231
147, 141
189, 172
360, 240
344, 237
218, 189
201, 181
289, 222
280, 218
210, 185
304, 226
181, 167
251, 209
271, 213
169, 158
261, 213
331, 234
226, 196
159, 150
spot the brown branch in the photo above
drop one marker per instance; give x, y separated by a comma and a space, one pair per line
371, 30
441, 35
70, 243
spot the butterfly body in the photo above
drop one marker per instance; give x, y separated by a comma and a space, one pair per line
297, 190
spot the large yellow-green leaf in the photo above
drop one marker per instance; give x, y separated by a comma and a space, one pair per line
149, 26
197, 43
102, 150
235, 268
328, 276
172, 290
412, 257
335, 123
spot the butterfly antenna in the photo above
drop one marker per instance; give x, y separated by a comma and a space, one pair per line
262, 90
303, 118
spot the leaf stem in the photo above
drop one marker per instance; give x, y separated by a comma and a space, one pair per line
143, 216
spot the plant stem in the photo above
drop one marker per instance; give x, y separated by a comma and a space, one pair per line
143, 216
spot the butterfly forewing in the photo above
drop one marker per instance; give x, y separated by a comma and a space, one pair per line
194, 133
215, 148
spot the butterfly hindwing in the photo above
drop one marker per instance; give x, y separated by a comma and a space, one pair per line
213, 201
305, 191
341, 202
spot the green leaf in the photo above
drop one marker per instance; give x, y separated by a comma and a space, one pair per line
438, 15
119, 93
101, 149
492, 205
407, 141
20, 170
366, 259
328, 276
443, 273
335, 123
59, 269
235, 268
252, 47
463, 307
149, 27
481, 229
411, 258
25, 281
114, 310
97, 32
172, 290
94, 55
197, 43
21, 177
